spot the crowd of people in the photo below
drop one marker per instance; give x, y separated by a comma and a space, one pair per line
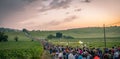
65, 52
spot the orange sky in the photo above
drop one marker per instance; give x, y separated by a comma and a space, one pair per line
60, 14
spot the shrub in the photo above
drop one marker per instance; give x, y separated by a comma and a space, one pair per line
3, 37
68, 37
58, 35
31, 53
51, 36
16, 38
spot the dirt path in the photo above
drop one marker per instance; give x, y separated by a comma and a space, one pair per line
46, 55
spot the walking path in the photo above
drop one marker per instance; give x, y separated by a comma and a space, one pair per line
46, 55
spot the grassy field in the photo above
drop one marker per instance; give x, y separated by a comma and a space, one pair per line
90, 36
23, 49
94, 32
19, 45
21, 36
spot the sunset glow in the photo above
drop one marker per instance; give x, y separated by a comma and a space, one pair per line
59, 14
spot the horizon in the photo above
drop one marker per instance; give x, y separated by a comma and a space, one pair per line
60, 30
58, 14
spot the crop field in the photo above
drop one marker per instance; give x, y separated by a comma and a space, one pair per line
24, 48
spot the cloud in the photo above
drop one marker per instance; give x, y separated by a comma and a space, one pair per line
56, 4
66, 20
67, 13
10, 7
77, 10
60, 3
69, 19
53, 22
30, 1
13, 5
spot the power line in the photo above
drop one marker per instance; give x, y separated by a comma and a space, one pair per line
113, 23
104, 35
104, 29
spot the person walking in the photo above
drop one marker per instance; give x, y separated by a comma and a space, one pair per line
96, 57
116, 55
80, 56
71, 56
60, 55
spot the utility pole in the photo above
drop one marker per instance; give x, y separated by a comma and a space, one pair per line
104, 35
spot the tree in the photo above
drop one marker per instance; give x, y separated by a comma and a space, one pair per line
50, 36
58, 35
25, 30
3, 37
16, 38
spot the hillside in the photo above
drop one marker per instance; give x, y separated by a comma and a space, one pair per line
93, 35
89, 32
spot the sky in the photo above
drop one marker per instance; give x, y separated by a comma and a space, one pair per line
58, 14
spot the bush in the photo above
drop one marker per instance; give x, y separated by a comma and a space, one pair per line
3, 37
58, 35
51, 36
68, 37
16, 38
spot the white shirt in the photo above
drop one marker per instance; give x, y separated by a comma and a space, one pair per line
70, 56
60, 54
116, 54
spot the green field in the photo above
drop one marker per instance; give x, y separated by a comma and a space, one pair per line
27, 49
23, 49
91, 36
94, 32
21, 36
19, 45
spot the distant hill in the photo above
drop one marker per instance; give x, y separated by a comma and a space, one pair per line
8, 30
113, 31
96, 29
88, 32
